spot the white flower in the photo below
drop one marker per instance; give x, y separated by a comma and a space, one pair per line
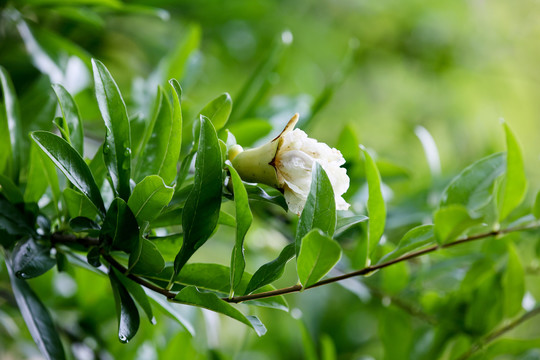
294, 162
287, 162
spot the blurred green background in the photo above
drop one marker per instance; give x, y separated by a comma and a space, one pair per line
382, 68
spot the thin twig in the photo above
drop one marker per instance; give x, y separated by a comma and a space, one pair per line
499, 332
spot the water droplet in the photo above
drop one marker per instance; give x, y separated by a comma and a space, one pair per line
22, 275
125, 164
127, 152
123, 338
153, 321
106, 149
126, 144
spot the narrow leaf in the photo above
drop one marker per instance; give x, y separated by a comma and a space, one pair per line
68, 160
345, 223
318, 255
190, 295
149, 197
37, 318
201, 211
243, 222
128, 315
375, 205
218, 110
13, 125
117, 148
72, 123
138, 294
320, 209
272, 270
515, 182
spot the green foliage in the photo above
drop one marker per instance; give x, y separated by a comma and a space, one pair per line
443, 268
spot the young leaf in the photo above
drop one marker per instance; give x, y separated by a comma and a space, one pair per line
375, 204
414, 239
473, 186
149, 197
513, 283
201, 211
515, 182
272, 270
218, 110
117, 148
243, 222
345, 223
161, 147
11, 130
138, 293
68, 160
120, 227
128, 315
451, 221
72, 123
318, 255
37, 318
190, 295
320, 209
30, 259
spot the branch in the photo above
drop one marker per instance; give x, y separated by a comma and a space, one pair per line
370, 269
499, 332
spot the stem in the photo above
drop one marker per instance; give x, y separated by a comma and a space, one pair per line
370, 269
499, 332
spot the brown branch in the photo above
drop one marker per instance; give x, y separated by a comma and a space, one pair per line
499, 332
370, 269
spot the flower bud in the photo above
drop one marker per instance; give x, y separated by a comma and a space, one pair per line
286, 164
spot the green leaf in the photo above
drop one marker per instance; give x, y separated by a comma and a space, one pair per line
345, 223
72, 123
318, 255
161, 147
10, 190
41, 168
452, 221
68, 160
190, 295
415, 239
148, 261
268, 195
218, 110
215, 277
30, 259
513, 283
78, 204
272, 270
473, 186
515, 183
10, 130
37, 318
226, 219
117, 148
149, 197
138, 294
320, 209
128, 315
12, 221
172, 309
395, 278
201, 211
248, 131
83, 224
328, 348
244, 219
120, 227
375, 204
